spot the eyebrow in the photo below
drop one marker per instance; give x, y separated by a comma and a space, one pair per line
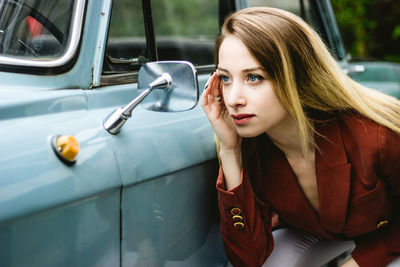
245, 70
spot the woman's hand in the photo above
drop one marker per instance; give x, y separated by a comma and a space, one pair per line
350, 263
230, 142
213, 104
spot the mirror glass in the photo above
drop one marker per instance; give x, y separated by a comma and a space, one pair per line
182, 95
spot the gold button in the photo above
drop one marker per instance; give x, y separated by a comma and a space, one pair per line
238, 225
237, 218
235, 211
382, 224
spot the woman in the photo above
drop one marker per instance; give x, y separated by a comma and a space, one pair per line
300, 139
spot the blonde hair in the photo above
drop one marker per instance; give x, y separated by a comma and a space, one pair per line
305, 75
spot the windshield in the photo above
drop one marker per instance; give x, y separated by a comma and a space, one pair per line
35, 31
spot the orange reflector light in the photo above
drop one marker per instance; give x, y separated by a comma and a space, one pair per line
66, 148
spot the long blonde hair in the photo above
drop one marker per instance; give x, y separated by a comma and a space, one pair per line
305, 75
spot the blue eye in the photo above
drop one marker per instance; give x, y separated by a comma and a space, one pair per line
225, 78
254, 78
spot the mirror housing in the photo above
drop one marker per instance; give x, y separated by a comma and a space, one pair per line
183, 93
173, 86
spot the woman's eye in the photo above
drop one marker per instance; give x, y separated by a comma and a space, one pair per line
254, 78
225, 78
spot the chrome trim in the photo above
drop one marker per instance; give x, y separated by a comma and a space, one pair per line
132, 77
354, 69
77, 22
118, 78
114, 121
203, 69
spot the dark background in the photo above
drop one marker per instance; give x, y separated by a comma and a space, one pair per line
370, 28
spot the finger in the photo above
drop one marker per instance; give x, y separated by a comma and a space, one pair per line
212, 96
204, 97
208, 89
210, 99
209, 84
216, 86
209, 81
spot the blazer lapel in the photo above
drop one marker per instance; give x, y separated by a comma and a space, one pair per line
285, 194
333, 177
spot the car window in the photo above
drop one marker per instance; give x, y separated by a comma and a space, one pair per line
35, 29
183, 30
289, 5
311, 12
126, 44
186, 30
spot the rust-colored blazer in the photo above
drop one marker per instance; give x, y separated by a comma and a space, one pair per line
358, 176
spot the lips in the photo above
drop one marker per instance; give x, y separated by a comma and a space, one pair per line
242, 118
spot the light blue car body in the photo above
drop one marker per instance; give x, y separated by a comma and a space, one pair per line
379, 75
144, 196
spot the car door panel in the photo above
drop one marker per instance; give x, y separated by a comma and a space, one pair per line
168, 167
82, 233
171, 220
146, 193
51, 213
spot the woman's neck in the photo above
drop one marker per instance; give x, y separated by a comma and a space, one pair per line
287, 138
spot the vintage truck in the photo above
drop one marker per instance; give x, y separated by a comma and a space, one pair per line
81, 184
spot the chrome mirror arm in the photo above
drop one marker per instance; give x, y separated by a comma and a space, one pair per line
114, 122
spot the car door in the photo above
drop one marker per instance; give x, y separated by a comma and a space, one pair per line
167, 161
54, 210
144, 196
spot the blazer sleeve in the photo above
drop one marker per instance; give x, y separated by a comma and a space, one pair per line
245, 226
383, 246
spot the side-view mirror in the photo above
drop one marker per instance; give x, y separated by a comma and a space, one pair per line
169, 86
183, 93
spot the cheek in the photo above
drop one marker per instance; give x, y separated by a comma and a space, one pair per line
271, 104
225, 93
223, 89
267, 99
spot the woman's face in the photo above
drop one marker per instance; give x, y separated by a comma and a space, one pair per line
248, 95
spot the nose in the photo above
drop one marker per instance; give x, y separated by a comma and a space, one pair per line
234, 95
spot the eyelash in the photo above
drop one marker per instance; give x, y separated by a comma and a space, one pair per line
258, 77
226, 79
223, 77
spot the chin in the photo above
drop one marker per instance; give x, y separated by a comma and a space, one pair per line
248, 133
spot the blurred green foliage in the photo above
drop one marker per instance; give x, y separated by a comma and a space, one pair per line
127, 19
179, 18
370, 28
194, 19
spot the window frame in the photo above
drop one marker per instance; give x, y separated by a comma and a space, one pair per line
56, 65
328, 29
225, 7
